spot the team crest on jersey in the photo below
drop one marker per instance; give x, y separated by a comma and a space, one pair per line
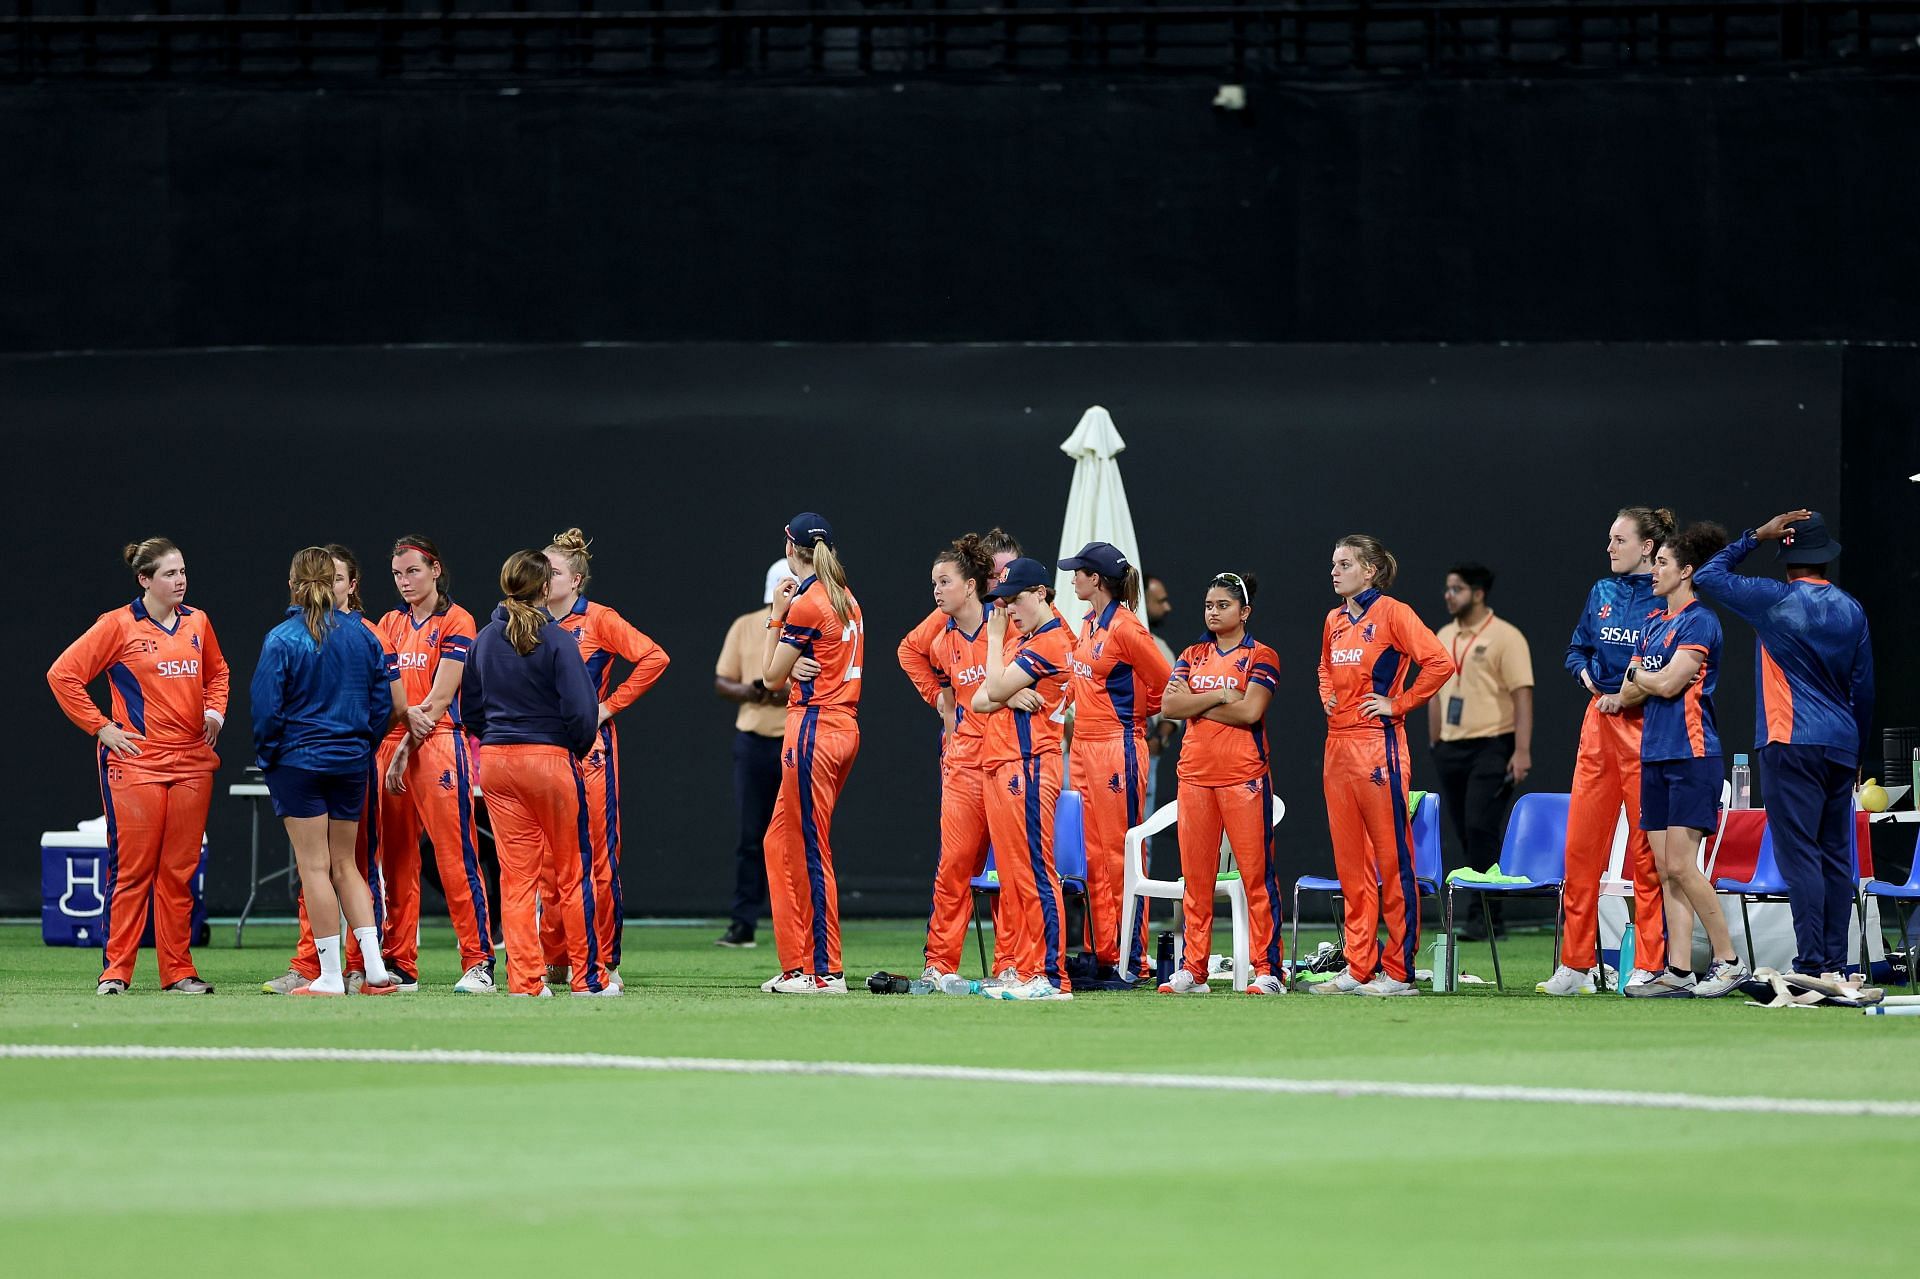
195, 641
1097, 648
1366, 633
1253, 786
1113, 783
787, 757
1606, 611
433, 636
446, 779
1379, 777
1013, 786
1240, 665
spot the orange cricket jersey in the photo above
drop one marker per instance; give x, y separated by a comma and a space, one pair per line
1119, 675
916, 656
1215, 754
959, 661
1374, 654
163, 682
420, 647
1009, 736
817, 631
605, 635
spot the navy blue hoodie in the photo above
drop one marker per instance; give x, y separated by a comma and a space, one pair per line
545, 698
321, 707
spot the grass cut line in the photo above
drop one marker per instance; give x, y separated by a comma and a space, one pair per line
1502, 1093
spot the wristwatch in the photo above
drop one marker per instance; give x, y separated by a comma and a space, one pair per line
1633, 674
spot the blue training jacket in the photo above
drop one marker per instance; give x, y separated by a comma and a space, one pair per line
1815, 673
1608, 632
544, 698
321, 707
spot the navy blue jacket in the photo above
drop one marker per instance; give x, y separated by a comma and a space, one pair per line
1604, 639
1815, 673
545, 698
321, 707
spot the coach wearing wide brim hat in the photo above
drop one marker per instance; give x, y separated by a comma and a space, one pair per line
1815, 711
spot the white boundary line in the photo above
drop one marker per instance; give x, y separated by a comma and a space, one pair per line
1505, 1093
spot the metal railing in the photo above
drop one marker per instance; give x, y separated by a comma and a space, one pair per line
303, 40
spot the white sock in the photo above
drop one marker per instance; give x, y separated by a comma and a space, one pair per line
370, 959
329, 978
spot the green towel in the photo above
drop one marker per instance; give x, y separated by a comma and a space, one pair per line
1492, 875
1225, 875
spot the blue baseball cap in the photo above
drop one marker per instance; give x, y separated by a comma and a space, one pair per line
1808, 542
1103, 558
1023, 574
808, 527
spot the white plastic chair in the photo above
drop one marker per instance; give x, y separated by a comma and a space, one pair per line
1136, 885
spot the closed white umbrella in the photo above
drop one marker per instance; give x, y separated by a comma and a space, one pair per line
1097, 508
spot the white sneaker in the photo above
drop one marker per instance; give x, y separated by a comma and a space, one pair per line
1638, 977
1383, 986
475, 981
1566, 981
612, 978
605, 992
544, 993
283, 984
1662, 985
1039, 989
1338, 984
809, 984
1266, 984
771, 984
1006, 979
1184, 983
1725, 976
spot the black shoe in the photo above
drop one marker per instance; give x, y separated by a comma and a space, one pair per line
738, 936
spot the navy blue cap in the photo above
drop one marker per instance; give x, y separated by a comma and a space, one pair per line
1023, 574
1103, 558
1808, 542
808, 527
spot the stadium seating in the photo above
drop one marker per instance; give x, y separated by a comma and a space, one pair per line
1137, 885
1426, 865
1534, 855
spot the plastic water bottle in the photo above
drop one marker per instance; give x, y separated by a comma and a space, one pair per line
1742, 782
1443, 963
1626, 959
955, 984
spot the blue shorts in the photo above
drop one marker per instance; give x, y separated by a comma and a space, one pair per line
299, 792
1681, 792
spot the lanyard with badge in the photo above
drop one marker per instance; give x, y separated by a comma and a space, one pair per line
1457, 704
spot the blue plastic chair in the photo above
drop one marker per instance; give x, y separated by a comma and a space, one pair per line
1534, 852
1766, 884
1426, 867
1069, 862
1900, 895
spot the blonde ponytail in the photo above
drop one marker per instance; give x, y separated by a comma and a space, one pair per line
523, 581
826, 566
310, 589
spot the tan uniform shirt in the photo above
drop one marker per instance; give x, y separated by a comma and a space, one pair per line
1490, 663
743, 659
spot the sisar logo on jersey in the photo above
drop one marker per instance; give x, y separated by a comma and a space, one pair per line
1619, 635
1083, 670
415, 661
1653, 661
1347, 656
178, 669
1208, 683
968, 676
446, 779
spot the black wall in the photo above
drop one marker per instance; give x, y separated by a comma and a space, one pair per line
1769, 207
683, 461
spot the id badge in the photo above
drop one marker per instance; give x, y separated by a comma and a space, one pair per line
1454, 706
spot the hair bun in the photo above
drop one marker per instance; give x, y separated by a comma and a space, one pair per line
573, 540
131, 554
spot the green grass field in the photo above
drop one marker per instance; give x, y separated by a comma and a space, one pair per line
370, 1170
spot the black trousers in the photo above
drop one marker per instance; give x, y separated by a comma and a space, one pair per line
1475, 792
1810, 811
756, 785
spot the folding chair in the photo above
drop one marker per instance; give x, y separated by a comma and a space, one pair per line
1136, 885
1900, 895
1534, 852
1426, 866
1069, 863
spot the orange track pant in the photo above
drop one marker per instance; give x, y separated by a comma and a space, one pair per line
1606, 774
1244, 813
1111, 775
1366, 786
816, 755
366, 855
602, 771
440, 798
537, 796
1020, 801
154, 828
963, 855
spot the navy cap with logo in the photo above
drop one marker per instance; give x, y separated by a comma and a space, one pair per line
1808, 542
808, 527
1103, 558
1023, 574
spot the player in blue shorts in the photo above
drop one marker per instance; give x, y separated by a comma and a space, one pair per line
1673, 673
